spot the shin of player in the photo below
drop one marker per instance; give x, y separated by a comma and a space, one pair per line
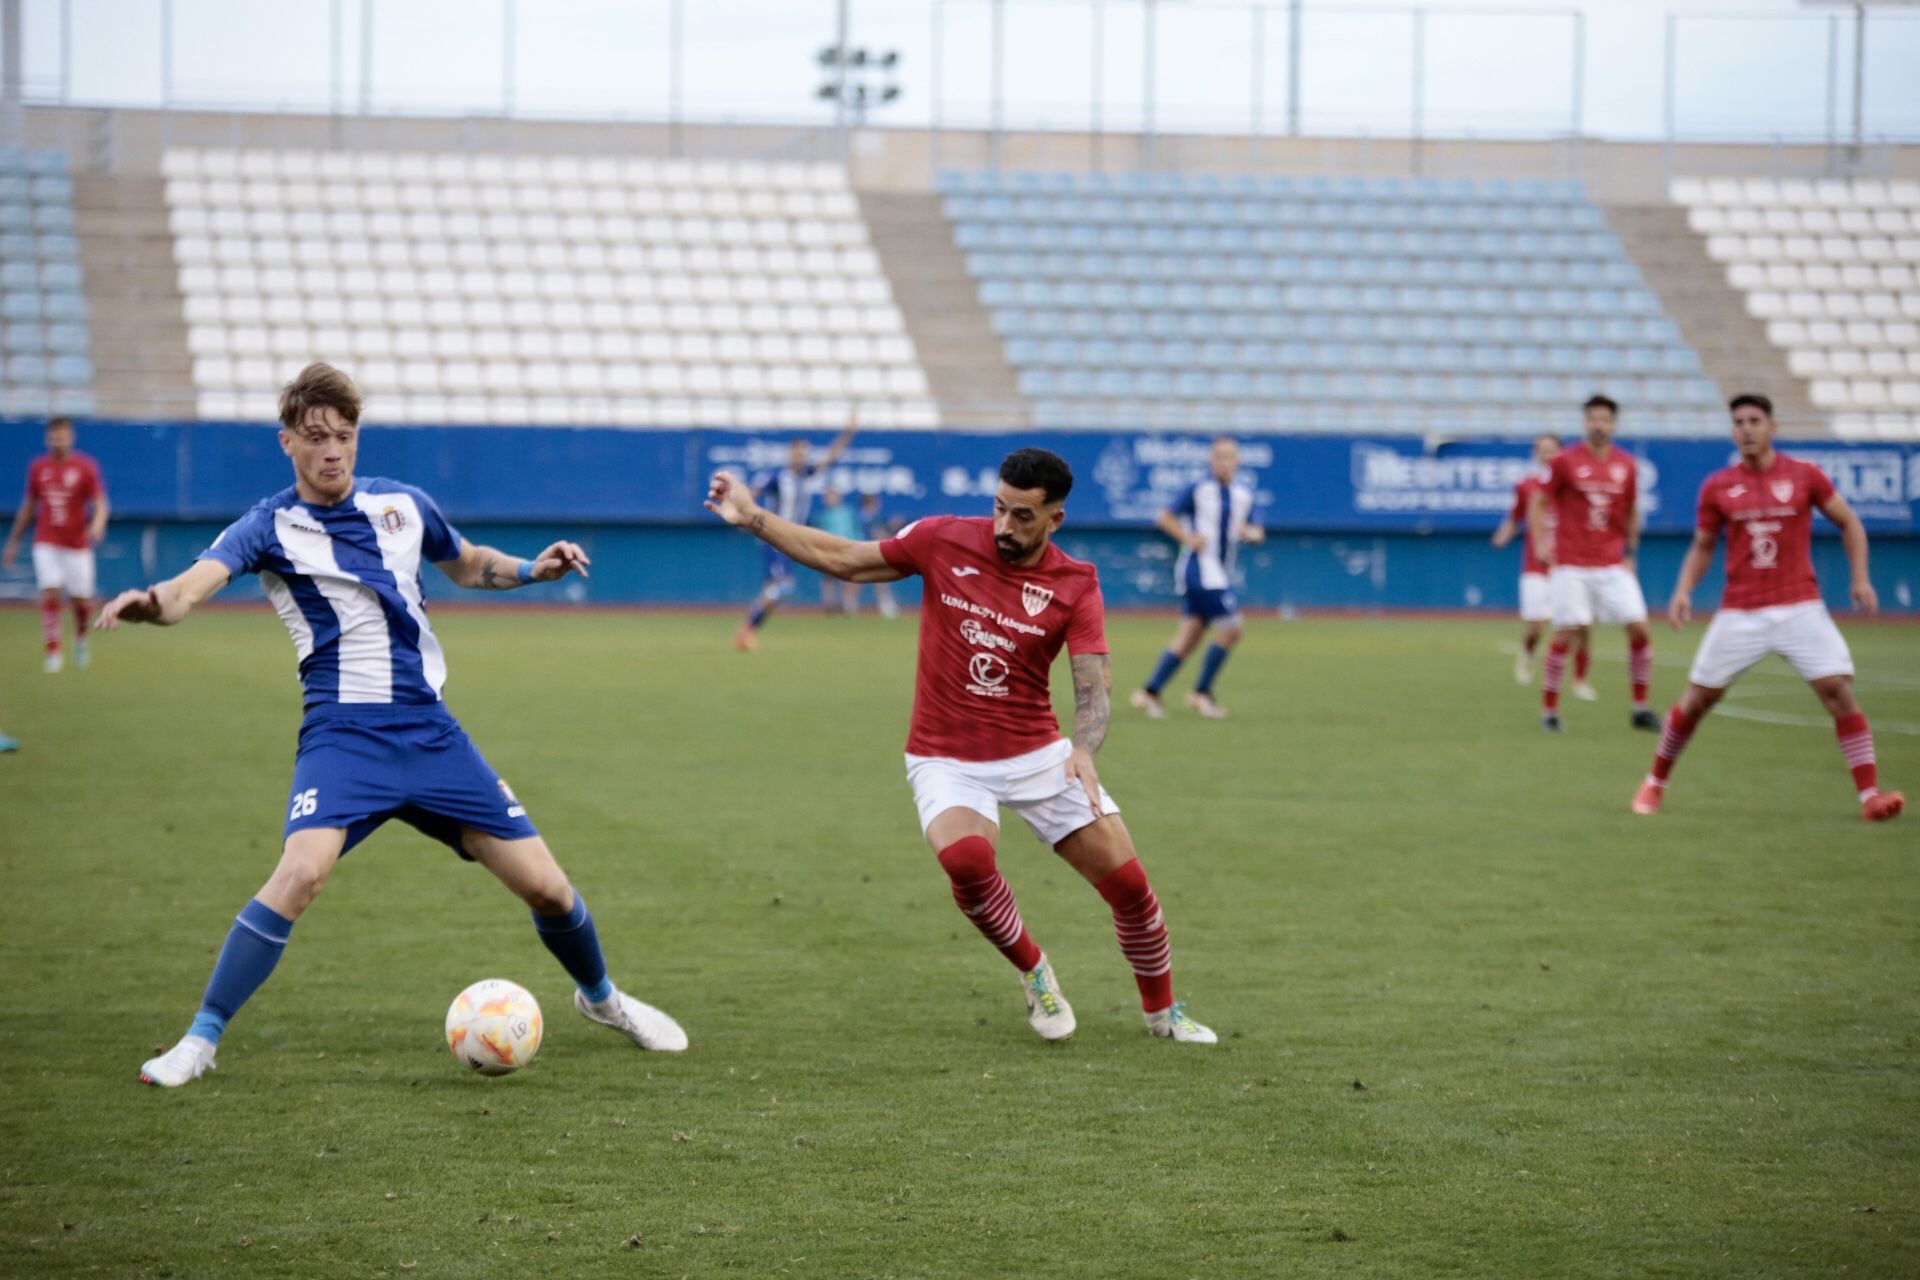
1000, 601
1765, 503
1585, 519
61, 486
341, 560
1209, 520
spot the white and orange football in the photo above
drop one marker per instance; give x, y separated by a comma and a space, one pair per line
494, 1026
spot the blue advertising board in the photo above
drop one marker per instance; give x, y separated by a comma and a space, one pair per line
1307, 484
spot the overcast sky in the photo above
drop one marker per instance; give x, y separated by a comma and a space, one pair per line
1488, 70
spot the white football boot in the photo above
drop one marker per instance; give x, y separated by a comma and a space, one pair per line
1585, 692
1176, 1024
82, 654
1048, 1012
185, 1062
1522, 668
1149, 703
53, 663
641, 1023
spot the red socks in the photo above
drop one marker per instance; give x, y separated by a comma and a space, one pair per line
1673, 740
1552, 674
50, 623
1640, 669
1856, 744
1582, 659
984, 897
82, 615
1530, 643
1142, 932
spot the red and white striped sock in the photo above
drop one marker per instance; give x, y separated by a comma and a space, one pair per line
1856, 744
1582, 659
985, 898
50, 623
1640, 670
1673, 740
1552, 674
1142, 931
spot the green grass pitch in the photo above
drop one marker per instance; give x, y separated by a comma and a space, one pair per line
1477, 1019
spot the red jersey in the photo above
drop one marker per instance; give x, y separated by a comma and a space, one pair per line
989, 633
1593, 503
1530, 561
1768, 516
59, 490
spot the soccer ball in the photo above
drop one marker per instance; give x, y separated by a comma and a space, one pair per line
494, 1026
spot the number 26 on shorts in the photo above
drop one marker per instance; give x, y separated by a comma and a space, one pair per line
305, 804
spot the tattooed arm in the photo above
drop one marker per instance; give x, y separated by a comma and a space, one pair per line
485, 569
1092, 707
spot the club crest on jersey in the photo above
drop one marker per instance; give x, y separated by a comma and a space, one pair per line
1782, 490
514, 808
1035, 599
392, 521
1618, 472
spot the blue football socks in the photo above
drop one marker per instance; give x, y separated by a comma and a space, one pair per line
254, 943
1210, 667
575, 943
1169, 663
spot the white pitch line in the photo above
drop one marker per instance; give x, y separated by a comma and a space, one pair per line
1808, 722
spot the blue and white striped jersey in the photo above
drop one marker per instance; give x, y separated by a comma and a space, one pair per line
345, 580
789, 493
1221, 512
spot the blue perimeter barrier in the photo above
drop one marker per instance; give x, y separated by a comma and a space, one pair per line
1357, 522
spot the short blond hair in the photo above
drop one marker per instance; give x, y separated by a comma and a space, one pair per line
319, 386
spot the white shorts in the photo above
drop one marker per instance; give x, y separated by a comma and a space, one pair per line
1803, 634
1033, 785
1582, 597
1536, 599
68, 569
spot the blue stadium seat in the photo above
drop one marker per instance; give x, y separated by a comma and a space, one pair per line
27, 337
71, 370
65, 305
67, 338
77, 401
46, 161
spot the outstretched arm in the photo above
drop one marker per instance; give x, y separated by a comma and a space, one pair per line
1092, 708
829, 553
166, 603
484, 569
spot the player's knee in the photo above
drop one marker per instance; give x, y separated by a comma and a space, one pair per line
297, 882
968, 859
549, 898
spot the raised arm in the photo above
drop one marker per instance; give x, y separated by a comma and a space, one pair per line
840, 443
829, 553
485, 569
166, 603
1853, 536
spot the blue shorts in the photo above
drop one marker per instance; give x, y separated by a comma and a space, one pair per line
1209, 606
779, 572
359, 765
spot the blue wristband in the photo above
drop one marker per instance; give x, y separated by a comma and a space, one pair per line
526, 571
